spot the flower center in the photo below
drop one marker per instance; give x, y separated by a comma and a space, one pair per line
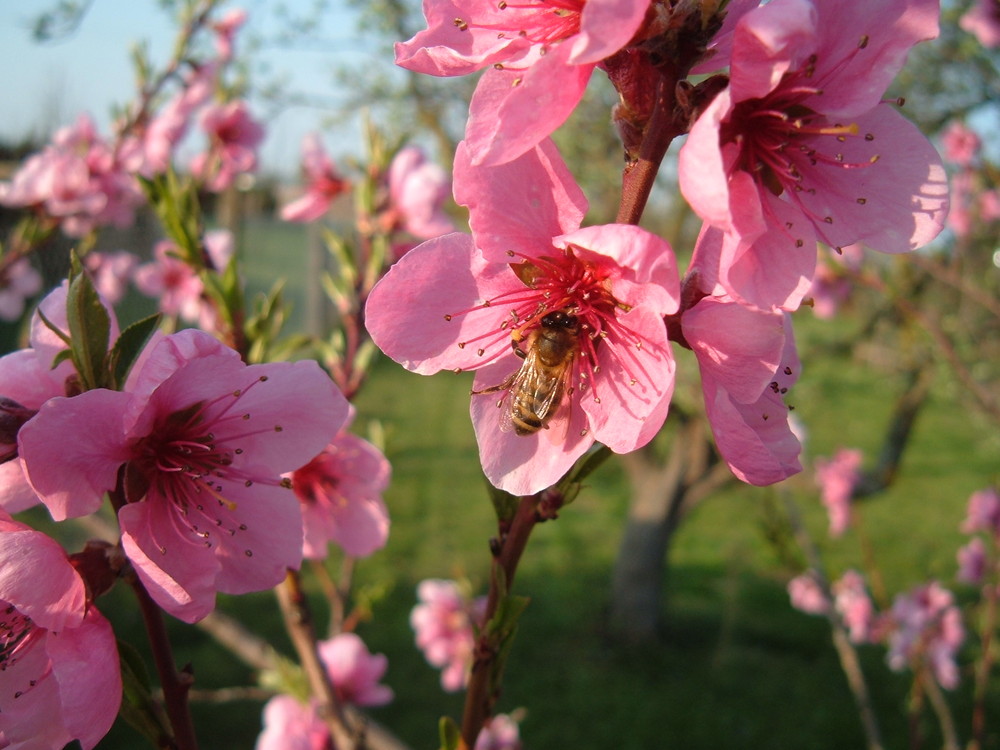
17, 635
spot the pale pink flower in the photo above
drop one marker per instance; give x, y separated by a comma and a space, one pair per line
989, 205
177, 286
983, 21
59, 678
111, 272
201, 440
748, 362
806, 595
290, 724
537, 56
20, 282
972, 561
323, 183
852, 603
927, 627
340, 491
170, 124
479, 303
233, 140
78, 181
418, 189
837, 477
961, 143
30, 378
961, 217
499, 733
443, 623
983, 513
225, 31
800, 148
355, 671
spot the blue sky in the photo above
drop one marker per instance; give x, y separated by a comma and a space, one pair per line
49, 84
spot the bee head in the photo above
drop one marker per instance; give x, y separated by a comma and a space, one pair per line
559, 319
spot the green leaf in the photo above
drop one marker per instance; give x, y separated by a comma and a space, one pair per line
127, 348
89, 329
504, 503
138, 707
450, 734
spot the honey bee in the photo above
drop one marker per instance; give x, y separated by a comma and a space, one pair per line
536, 390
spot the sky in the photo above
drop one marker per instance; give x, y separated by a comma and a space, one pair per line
90, 70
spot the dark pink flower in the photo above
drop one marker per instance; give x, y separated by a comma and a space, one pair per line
801, 148
29, 377
202, 440
323, 183
59, 678
927, 628
983, 21
418, 189
837, 478
538, 57
225, 31
233, 140
169, 126
596, 296
290, 724
340, 492
444, 623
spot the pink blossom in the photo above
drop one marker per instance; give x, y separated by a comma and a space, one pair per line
59, 678
854, 606
807, 595
500, 733
169, 126
444, 623
233, 139
20, 282
460, 303
961, 143
225, 31
972, 561
111, 272
983, 21
323, 183
748, 363
927, 628
340, 491
30, 378
354, 671
290, 724
983, 513
961, 217
418, 189
201, 440
811, 75
78, 181
837, 478
177, 286
989, 205
537, 56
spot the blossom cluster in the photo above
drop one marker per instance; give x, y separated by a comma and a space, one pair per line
569, 328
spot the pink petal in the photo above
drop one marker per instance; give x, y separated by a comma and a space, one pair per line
73, 483
552, 202
606, 26
506, 119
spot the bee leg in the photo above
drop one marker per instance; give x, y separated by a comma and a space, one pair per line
518, 350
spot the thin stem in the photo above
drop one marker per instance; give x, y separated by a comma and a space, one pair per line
985, 665
480, 697
175, 684
943, 711
298, 622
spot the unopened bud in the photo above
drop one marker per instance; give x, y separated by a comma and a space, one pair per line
12, 416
